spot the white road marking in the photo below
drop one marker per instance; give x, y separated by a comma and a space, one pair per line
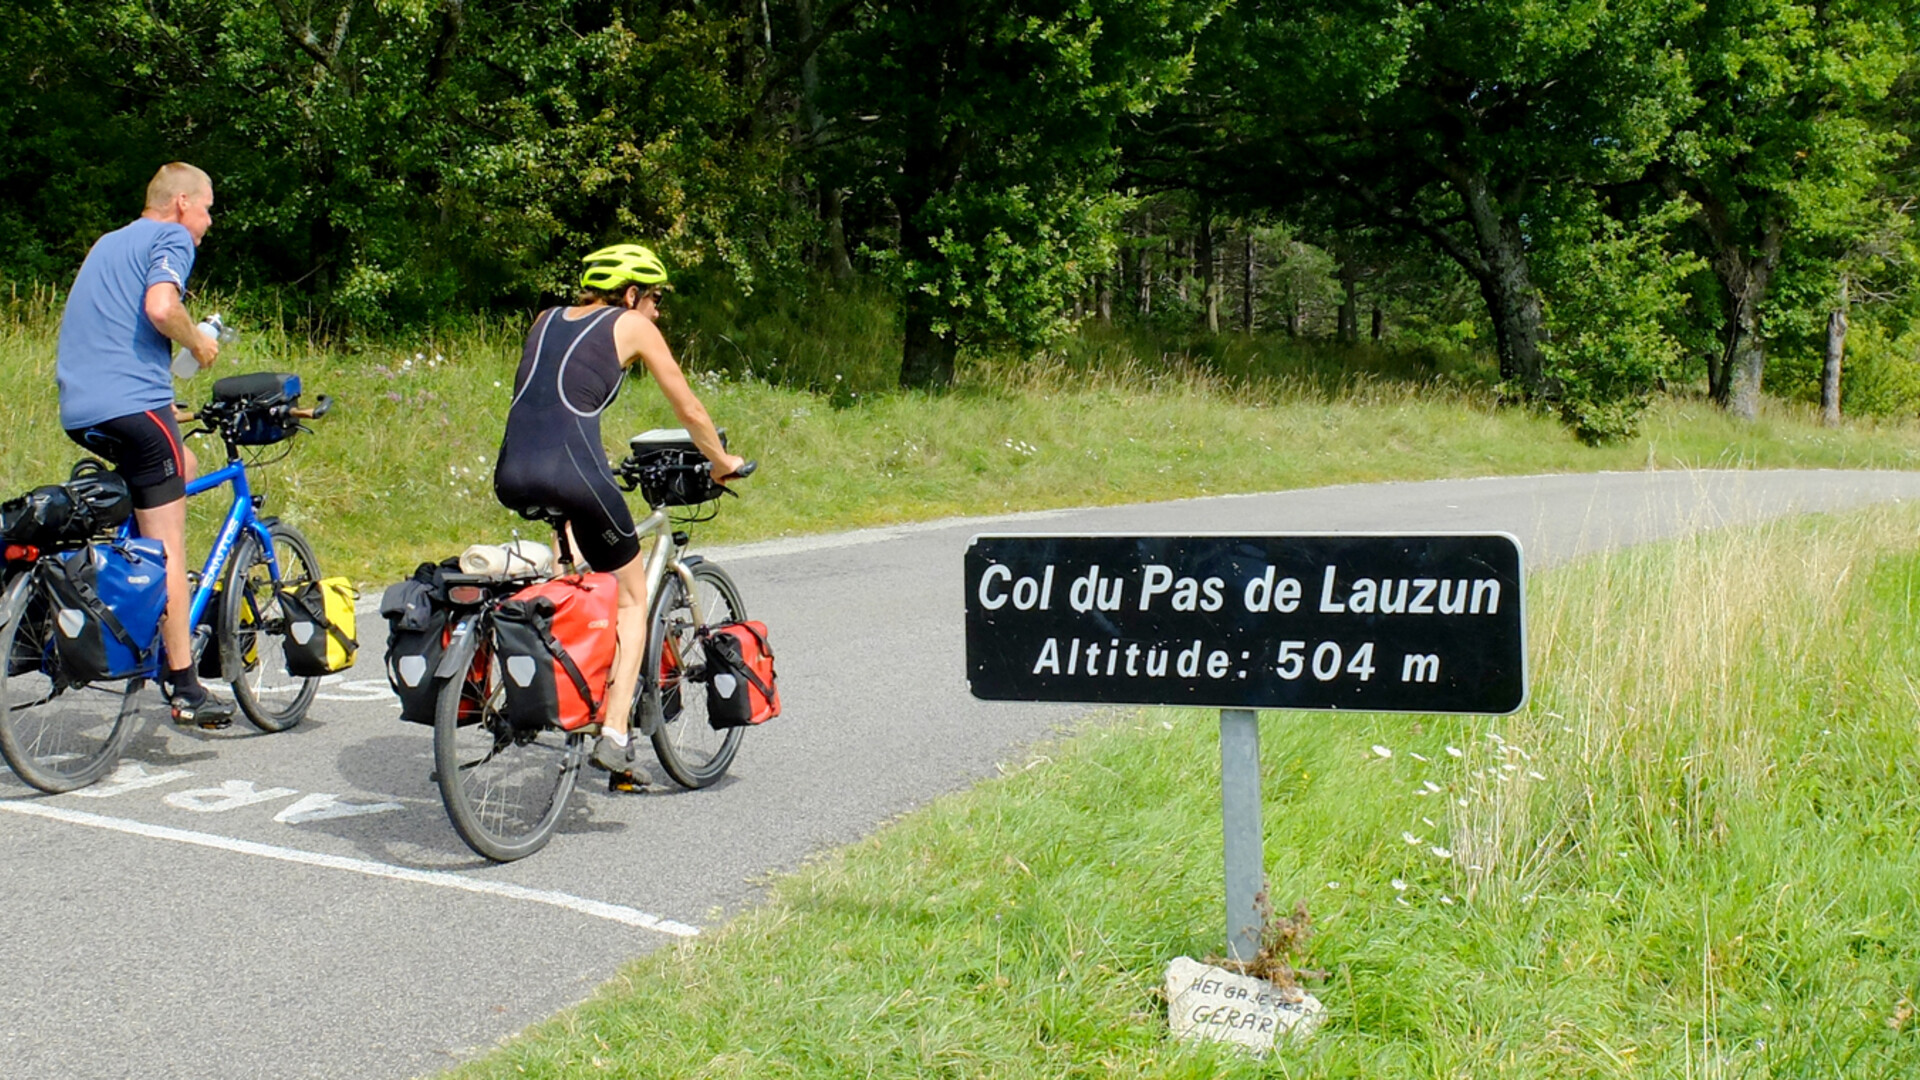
437, 878
319, 807
230, 795
130, 776
335, 688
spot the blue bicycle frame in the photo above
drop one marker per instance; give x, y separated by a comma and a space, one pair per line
241, 520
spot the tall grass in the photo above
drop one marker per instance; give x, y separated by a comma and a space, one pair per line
1690, 856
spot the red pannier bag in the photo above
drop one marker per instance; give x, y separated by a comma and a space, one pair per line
555, 643
740, 682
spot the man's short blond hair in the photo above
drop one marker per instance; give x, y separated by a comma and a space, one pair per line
176, 178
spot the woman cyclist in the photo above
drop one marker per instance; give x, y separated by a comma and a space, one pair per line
551, 457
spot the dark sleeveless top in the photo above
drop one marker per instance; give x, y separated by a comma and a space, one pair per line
551, 456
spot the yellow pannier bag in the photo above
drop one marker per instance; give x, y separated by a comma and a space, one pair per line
320, 628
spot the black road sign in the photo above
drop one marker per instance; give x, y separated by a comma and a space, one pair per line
1385, 623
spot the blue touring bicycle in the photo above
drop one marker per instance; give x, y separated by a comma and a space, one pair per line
59, 732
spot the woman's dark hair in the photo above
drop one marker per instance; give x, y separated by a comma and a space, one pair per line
614, 297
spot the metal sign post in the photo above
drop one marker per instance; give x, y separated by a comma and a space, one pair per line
1429, 623
1240, 818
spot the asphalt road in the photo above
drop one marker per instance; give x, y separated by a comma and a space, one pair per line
296, 905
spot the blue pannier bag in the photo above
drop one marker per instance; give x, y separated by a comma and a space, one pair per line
104, 602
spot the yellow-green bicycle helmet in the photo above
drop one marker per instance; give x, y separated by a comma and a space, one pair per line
621, 265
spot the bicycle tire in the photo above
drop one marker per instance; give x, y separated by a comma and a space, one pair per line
253, 627
692, 752
505, 791
54, 738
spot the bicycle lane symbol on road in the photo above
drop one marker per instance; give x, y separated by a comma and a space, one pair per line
234, 794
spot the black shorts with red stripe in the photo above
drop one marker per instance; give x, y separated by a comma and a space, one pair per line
145, 449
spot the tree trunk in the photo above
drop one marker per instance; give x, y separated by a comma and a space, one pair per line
1203, 257
1347, 331
1103, 298
1745, 271
839, 263
1836, 351
927, 363
1506, 284
1746, 281
1379, 323
831, 198
1143, 300
1246, 285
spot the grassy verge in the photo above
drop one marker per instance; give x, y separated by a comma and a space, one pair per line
1691, 855
402, 470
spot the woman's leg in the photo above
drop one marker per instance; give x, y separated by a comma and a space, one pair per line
631, 645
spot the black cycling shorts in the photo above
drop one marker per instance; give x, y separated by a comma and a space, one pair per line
146, 451
565, 479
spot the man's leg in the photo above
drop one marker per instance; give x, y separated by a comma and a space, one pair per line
167, 523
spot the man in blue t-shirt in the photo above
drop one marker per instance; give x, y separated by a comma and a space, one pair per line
116, 392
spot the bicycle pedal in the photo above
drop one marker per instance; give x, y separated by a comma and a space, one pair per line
625, 782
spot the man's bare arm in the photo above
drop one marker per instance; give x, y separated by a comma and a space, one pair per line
169, 316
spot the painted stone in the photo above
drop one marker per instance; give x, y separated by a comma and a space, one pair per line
1206, 1002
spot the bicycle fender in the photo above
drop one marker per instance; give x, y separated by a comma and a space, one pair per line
15, 599
461, 646
691, 561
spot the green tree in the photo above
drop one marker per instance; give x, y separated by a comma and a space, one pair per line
398, 158
1459, 123
1780, 148
987, 129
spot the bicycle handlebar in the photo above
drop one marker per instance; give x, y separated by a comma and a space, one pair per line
319, 410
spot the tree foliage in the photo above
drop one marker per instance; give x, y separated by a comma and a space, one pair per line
1628, 196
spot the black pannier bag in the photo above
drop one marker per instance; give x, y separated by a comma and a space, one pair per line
254, 395
41, 518
418, 629
742, 688
94, 500
522, 643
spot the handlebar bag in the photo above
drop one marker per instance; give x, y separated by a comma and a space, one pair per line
670, 470
741, 688
257, 395
320, 627
555, 643
105, 602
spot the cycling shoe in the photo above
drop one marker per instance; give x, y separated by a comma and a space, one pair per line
204, 711
611, 756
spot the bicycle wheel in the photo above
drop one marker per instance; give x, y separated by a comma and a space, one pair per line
55, 735
252, 629
689, 748
504, 789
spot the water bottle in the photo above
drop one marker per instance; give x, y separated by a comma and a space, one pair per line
184, 364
